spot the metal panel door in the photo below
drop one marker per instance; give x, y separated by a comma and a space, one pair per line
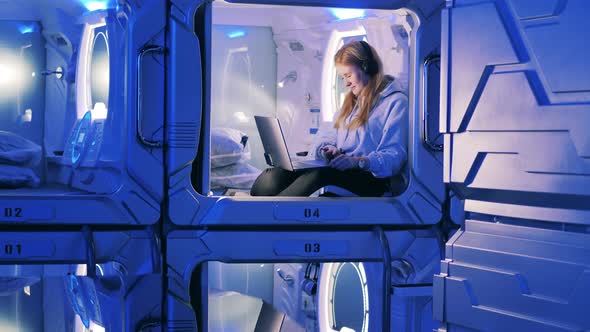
515, 102
515, 99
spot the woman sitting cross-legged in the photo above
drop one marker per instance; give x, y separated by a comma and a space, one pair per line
368, 143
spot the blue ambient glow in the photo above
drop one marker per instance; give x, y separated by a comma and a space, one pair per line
345, 13
236, 34
24, 29
93, 5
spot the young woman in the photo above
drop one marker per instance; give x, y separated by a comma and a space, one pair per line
369, 143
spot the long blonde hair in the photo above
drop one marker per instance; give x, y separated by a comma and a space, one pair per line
356, 54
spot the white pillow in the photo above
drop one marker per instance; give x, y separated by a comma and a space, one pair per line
16, 177
238, 176
228, 147
17, 150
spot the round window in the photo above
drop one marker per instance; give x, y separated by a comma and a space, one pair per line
99, 68
349, 298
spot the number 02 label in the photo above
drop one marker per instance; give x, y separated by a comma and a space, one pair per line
18, 212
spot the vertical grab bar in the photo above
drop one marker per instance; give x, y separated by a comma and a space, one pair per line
90, 252
142, 53
425, 136
386, 319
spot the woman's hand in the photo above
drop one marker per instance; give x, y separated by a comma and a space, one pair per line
344, 162
330, 152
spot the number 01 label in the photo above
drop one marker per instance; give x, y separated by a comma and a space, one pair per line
26, 249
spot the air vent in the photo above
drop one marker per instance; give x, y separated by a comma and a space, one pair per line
318, 56
400, 30
296, 46
59, 40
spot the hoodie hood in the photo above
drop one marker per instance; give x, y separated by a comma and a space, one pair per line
392, 87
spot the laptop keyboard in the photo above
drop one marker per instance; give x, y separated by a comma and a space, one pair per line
309, 163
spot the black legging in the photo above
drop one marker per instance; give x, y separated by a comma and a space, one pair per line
279, 182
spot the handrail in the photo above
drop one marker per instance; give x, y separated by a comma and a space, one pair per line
386, 319
90, 252
145, 50
425, 136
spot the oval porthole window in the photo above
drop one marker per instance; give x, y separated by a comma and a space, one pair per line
349, 300
100, 68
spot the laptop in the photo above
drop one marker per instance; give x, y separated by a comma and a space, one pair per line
275, 147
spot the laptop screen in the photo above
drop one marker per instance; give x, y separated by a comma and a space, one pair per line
273, 142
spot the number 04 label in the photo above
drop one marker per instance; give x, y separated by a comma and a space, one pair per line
311, 212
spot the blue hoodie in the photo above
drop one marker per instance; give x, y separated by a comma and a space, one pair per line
383, 139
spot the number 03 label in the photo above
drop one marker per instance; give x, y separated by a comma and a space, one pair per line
310, 248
